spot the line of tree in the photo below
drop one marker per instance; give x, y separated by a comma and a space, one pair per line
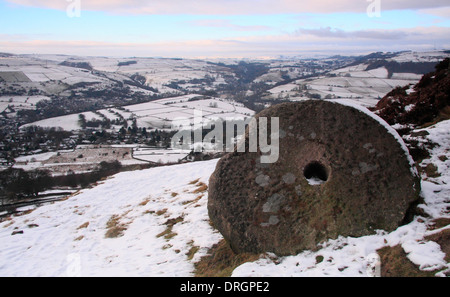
17, 184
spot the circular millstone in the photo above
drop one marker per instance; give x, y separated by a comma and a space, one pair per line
339, 172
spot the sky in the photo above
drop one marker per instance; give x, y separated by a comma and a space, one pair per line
222, 28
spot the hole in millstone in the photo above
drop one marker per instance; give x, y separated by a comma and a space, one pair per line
315, 173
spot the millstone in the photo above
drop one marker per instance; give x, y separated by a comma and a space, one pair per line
339, 172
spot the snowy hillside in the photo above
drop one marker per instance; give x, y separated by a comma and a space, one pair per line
156, 114
365, 82
140, 223
154, 222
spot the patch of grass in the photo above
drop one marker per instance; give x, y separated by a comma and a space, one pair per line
201, 187
194, 249
194, 181
82, 226
144, 203
168, 233
161, 212
394, 263
115, 227
221, 261
432, 171
11, 222
167, 246
319, 259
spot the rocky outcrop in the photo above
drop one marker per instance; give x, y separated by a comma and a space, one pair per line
427, 102
339, 172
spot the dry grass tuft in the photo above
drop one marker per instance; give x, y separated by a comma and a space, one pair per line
221, 261
115, 227
82, 226
161, 212
191, 253
144, 203
431, 170
168, 233
194, 181
394, 263
201, 187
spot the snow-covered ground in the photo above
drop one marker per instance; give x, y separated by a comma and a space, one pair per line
157, 114
428, 56
348, 256
161, 156
85, 158
349, 82
355, 82
69, 238
20, 102
160, 226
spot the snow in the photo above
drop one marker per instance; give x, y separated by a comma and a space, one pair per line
341, 257
427, 255
372, 84
68, 122
70, 235
67, 238
159, 155
427, 56
20, 102
157, 114
314, 181
437, 190
36, 157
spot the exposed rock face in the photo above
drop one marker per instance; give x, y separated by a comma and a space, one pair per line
339, 172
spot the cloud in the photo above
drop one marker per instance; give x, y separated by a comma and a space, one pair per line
325, 41
232, 7
443, 12
220, 23
333, 33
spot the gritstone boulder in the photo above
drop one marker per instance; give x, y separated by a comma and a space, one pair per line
340, 171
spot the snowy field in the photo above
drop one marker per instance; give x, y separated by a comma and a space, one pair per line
85, 158
348, 83
154, 222
159, 113
354, 82
20, 102
429, 56
157, 71
161, 156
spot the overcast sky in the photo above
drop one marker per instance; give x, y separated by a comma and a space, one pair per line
222, 28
